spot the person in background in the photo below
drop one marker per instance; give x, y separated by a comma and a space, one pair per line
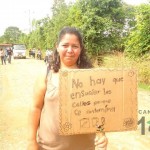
30, 52
5, 51
44, 111
33, 52
48, 54
2, 55
39, 54
9, 54
50, 59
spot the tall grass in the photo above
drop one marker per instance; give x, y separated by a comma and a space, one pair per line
118, 60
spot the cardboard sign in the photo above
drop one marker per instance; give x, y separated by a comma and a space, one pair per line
97, 97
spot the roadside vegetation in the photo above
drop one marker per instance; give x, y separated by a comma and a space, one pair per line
115, 33
118, 60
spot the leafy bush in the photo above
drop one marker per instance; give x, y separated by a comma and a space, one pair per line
144, 72
142, 65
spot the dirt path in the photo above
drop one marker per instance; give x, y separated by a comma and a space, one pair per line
16, 85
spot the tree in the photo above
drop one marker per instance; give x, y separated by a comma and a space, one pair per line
23, 39
56, 22
45, 31
101, 22
57, 5
138, 42
12, 34
2, 40
36, 37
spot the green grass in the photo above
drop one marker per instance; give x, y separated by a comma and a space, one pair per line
144, 86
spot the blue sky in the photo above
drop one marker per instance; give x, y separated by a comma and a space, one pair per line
20, 13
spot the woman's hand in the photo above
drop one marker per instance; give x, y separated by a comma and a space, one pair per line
33, 145
101, 142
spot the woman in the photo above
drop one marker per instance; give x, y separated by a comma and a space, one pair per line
2, 55
44, 113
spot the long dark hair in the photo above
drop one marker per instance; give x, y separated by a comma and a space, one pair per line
83, 61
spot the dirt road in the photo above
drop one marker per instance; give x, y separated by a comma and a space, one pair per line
16, 85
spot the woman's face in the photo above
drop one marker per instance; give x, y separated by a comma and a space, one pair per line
69, 50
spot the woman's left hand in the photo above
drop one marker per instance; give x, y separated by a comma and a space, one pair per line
101, 142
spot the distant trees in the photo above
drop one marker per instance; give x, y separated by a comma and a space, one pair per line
12, 35
101, 23
106, 25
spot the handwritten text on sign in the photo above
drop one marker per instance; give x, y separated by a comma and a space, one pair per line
91, 97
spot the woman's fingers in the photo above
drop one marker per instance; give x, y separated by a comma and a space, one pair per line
101, 142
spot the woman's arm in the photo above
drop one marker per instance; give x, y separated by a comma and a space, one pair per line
35, 111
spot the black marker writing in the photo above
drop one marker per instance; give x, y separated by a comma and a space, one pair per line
77, 83
94, 82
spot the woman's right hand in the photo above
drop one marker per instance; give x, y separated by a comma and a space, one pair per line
33, 145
